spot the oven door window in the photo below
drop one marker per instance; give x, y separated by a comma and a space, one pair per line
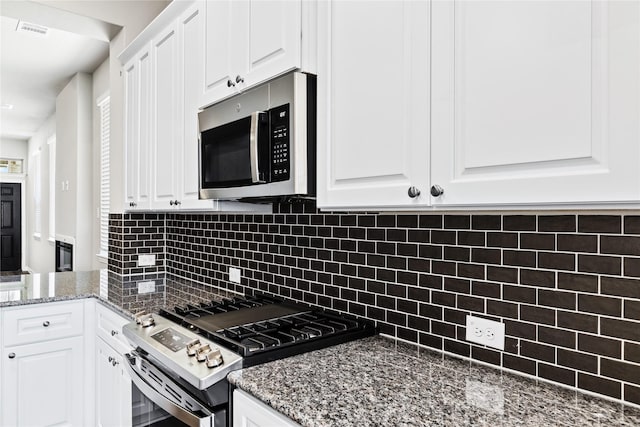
226, 153
146, 413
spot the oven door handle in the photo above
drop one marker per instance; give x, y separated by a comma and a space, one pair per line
171, 407
254, 139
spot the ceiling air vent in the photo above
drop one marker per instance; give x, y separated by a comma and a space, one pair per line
30, 28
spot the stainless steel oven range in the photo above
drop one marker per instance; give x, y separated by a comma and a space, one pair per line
183, 356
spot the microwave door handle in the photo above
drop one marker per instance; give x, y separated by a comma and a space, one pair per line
253, 146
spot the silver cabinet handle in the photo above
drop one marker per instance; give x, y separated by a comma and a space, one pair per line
12, 355
413, 192
230, 83
437, 191
46, 323
239, 79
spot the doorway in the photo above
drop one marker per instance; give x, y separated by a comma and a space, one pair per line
10, 227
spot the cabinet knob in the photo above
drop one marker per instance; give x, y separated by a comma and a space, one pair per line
436, 190
230, 83
114, 333
12, 355
110, 359
133, 204
413, 192
177, 202
239, 79
46, 323
114, 362
171, 202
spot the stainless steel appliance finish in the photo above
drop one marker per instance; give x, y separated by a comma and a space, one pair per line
260, 144
183, 355
197, 374
168, 395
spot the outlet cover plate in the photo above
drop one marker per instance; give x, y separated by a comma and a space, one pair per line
146, 260
234, 275
485, 332
146, 287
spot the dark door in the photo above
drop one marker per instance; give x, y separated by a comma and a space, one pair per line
10, 227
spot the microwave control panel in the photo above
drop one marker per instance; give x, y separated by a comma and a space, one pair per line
280, 148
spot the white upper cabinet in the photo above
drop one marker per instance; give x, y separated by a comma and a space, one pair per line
535, 102
164, 78
166, 120
248, 42
137, 75
191, 76
373, 104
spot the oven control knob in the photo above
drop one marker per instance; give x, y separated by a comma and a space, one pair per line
145, 320
202, 351
214, 358
192, 347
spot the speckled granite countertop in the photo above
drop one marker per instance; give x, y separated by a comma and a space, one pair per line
51, 287
378, 382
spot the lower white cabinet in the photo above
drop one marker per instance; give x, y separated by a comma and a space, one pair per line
113, 388
250, 412
113, 384
43, 384
59, 362
43, 366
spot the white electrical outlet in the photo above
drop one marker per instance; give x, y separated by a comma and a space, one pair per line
146, 260
485, 331
234, 275
146, 287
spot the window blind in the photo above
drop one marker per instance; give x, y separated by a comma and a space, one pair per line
104, 106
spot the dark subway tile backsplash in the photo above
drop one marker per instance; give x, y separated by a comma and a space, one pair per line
566, 286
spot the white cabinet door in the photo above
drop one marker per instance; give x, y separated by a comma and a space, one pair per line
166, 120
191, 75
373, 104
250, 412
219, 45
137, 130
248, 42
132, 130
112, 383
113, 388
272, 39
42, 384
535, 102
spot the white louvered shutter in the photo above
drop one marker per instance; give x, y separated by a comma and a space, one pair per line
104, 110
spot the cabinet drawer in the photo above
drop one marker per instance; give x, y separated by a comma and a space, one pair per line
109, 326
42, 322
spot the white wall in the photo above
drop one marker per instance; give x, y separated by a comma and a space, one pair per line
100, 87
40, 252
14, 149
74, 167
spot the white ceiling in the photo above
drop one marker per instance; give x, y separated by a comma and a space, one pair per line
34, 68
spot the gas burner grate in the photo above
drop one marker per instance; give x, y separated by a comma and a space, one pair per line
222, 306
261, 336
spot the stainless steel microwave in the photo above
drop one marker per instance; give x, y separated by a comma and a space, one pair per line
260, 145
